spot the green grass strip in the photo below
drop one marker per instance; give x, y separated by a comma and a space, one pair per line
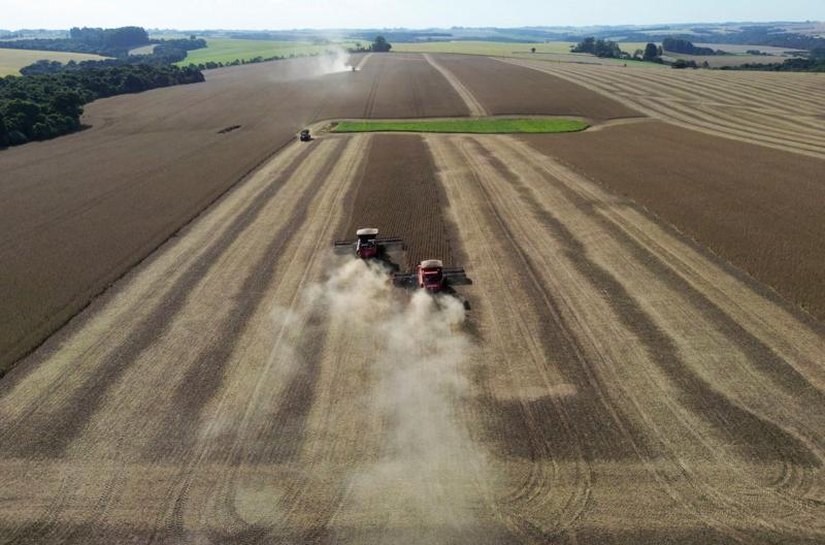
475, 126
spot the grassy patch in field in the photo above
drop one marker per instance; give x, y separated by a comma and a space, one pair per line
475, 126
227, 50
12, 60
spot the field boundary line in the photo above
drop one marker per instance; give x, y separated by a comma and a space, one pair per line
362, 62
475, 107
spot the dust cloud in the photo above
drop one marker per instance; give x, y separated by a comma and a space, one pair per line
333, 61
428, 471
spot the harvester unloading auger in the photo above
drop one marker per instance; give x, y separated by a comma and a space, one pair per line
367, 244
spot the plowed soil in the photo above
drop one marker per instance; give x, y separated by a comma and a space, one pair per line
616, 380
504, 89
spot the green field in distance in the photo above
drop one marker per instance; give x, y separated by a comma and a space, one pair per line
227, 50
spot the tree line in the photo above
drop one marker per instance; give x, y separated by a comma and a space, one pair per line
43, 106
678, 45
110, 42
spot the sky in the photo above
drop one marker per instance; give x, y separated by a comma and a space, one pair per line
320, 14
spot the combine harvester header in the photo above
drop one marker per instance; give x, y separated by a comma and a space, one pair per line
367, 244
433, 276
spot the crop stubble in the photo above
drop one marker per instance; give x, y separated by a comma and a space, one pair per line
624, 386
79, 211
781, 110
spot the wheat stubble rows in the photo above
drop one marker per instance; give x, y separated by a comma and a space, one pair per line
780, 110
611, 383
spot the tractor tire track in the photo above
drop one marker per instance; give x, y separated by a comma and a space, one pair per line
633, 320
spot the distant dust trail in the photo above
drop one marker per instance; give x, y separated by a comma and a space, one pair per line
475, 107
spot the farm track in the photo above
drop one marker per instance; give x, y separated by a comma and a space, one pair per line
782, 111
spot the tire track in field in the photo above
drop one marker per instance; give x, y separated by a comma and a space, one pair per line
625, 307
473, 105
510, 327
787, 427
82, 447
695, 495
766, 360
657, 94
50, 433
372, 96
280, 382
202, 380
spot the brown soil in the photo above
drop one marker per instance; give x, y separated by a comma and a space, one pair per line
619, 384
614, 382
759, 208
79, 211
400, 195
778, 110
504, 89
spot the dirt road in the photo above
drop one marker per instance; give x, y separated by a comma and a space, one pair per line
611, 383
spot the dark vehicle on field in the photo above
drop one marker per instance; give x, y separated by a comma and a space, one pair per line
367, 244
305, 136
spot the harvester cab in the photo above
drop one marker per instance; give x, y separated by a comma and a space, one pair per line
367, 245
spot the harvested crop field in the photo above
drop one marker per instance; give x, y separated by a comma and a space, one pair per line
71, 222
759, 208
609, 377
611, 383
776, 109
513, 90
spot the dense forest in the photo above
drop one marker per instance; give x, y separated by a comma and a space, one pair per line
48, 99
677, 45
111, 42
814, 62
600, 48
43, 106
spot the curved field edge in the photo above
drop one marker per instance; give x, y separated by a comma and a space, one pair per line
470, 126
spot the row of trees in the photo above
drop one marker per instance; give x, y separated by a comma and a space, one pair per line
600, 48
168, 52
815, 62
39, 107
678, 45
378, 45
110, 42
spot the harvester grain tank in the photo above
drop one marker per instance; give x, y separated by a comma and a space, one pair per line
367, 244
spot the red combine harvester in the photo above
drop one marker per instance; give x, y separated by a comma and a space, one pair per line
368, 245
432, 276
